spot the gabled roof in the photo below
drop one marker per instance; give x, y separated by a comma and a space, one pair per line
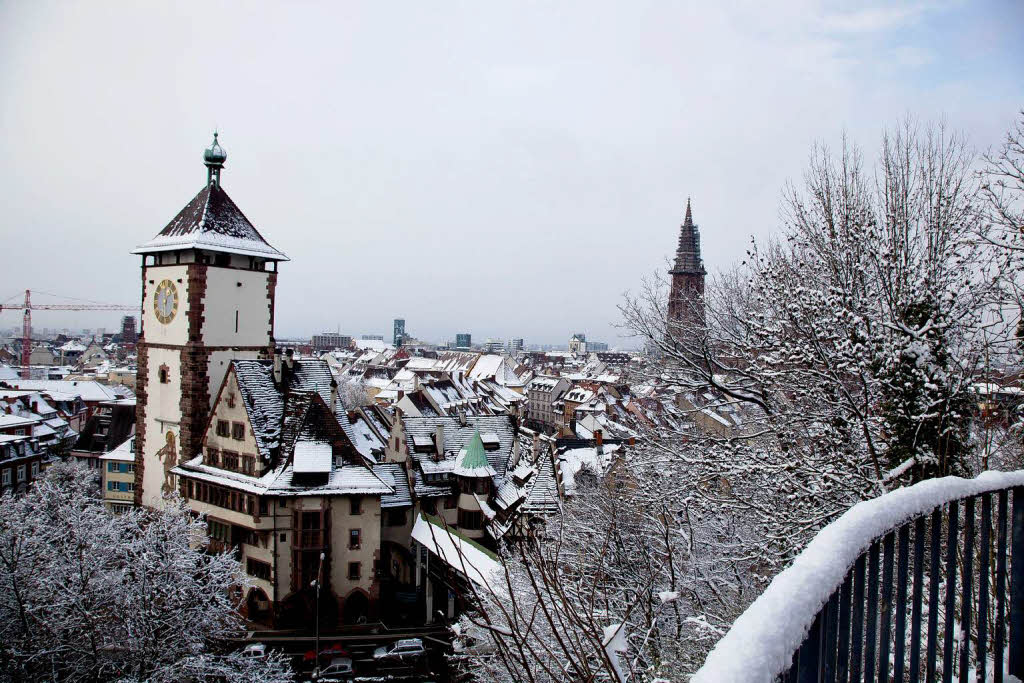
264, 402
212, 221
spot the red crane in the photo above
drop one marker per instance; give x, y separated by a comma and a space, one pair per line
26, 329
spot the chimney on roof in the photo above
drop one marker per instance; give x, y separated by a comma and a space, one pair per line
599, 440
462, 416
277, 367
334, 394
401, 395
439, 440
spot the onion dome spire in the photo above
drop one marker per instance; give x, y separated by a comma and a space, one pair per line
214, 157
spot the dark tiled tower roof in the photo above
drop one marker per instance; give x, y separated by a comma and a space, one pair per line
212, 221
688, 258
686, 298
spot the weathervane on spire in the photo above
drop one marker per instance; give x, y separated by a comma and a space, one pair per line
214, 157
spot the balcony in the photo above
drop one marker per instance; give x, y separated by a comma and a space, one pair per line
925, 583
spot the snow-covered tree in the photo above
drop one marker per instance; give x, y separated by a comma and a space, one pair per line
846, 353
88, 595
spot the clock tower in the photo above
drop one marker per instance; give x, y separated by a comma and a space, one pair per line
208, 282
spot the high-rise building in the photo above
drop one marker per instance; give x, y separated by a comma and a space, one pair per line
372, 337
492, 345
596, 346
515, 344
208, 283
686, 298
399, 331
463, 340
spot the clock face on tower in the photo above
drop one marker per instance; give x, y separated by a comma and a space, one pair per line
165, 301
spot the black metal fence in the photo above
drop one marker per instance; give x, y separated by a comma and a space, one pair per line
940, 598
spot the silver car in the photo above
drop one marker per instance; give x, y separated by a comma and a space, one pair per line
403, 650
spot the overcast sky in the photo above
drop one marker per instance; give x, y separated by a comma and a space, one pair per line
507, 169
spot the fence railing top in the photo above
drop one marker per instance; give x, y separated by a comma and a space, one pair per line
761, 642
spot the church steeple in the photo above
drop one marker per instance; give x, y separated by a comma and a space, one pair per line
688, 259
686, 298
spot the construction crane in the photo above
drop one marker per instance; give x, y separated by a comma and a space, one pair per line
26, 329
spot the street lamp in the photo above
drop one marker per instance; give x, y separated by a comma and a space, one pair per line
316, 584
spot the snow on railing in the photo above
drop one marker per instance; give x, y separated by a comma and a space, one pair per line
762, 642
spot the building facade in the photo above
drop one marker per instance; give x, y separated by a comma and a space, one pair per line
398, 332
463, 340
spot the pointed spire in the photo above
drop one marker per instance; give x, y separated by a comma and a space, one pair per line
688, 259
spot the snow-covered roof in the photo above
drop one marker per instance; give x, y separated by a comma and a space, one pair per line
469, 559
13, 421
125, 451
212, 221
472, 459
313, 457
393, 474
87, 390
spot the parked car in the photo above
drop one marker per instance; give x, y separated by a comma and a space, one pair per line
403, 650
339, 669
255, 651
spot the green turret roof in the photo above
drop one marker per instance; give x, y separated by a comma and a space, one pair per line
472, 459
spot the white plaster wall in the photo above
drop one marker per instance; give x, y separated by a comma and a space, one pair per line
368, 522
176, 331
247, 446
224, 296
218, 368
163, 406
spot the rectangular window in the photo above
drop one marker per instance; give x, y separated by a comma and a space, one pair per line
356, 505
470, 519
248, 465
263, 506
396, 517
21, 473
190, 490
219, 531
35, 470
354, 570
111, 467
212, 457
7, 477
353, 538
111, 485
223, 428
238, 431
229, 460
260, 570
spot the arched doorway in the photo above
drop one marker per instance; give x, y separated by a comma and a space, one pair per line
257, 605
356, 607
